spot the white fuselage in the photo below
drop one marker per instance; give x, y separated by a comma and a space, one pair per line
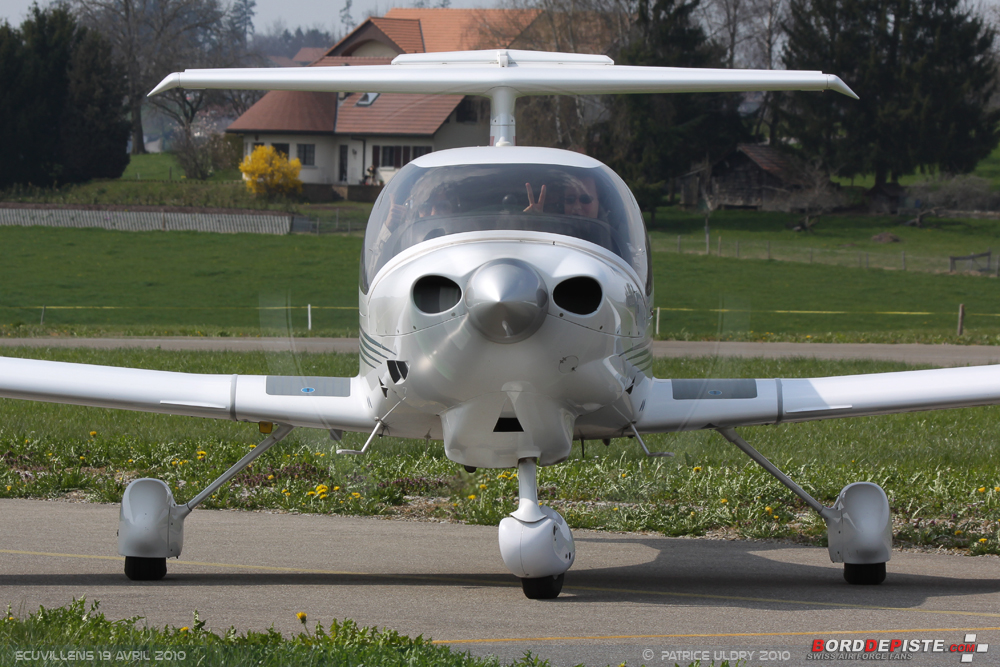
569, 379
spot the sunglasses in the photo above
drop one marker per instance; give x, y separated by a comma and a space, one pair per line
584, 199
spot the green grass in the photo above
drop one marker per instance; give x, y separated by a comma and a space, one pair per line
188, 283
164, 166
931, 464
940, 237
79, 627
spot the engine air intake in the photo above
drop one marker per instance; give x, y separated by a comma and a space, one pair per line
580, 296
436, 294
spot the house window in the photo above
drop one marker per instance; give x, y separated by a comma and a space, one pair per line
307, 154
388, 156
366, 99
281, 148
343, 163
397, 156
421, 150
375, 155
466, 112
406, 155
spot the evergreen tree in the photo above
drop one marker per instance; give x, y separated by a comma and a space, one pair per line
659, 137
924, 71
12, 89
94, 128
61, 102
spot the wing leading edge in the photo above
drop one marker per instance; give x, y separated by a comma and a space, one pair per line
687, 405
327, 403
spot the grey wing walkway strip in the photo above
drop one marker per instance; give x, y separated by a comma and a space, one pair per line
934, 355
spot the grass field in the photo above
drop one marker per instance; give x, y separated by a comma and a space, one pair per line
164, 167
95, 282
82, 631
941, 470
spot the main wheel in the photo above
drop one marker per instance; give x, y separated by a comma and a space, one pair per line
543, 588
145, 569
868, 574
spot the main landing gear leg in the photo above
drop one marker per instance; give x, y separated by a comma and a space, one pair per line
858, 526
535, 542
151, 524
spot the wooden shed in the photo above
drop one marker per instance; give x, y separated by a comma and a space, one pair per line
750, 176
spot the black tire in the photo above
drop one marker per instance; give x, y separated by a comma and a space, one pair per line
543, 588
145, 569
869, 574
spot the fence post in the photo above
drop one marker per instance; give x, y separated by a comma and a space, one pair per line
43, 316
719, 251
678, 244
810, 255
657, 320
866, 260
961, 318
738, 251
769, 250
309, 313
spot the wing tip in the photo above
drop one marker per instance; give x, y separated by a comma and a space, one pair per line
837, 84
169, 82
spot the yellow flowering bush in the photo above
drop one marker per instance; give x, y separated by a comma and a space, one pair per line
268, 173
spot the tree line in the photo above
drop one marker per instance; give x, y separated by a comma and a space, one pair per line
925, 71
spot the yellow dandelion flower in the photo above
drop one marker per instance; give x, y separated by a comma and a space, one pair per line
472, 497
310, 493
130, 460
696, 469
692, 515
768, 509
50, 453
270, 476
336, 488
253, 446
320, 488
93, 433
322, 496
724, 501
482, 486
185, 629
82, 458
202, 453
982, 489
8, 487
997, 489
982, 540
355, 495
958, 532
614, 509
624, 474
301, 616
284, 490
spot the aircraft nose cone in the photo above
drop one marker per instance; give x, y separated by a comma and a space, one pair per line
506, 299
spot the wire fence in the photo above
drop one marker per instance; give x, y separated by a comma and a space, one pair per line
893, 260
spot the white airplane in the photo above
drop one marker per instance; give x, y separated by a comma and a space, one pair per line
505, 304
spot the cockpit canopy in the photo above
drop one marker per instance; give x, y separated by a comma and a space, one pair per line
425, 202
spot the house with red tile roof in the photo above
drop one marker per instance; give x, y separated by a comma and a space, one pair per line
338, 136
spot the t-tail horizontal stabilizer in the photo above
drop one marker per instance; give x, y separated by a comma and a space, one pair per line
503, 75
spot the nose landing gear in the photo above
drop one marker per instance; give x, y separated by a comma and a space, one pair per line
535, 542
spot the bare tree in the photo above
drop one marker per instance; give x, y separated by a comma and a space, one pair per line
575, 26
152, 38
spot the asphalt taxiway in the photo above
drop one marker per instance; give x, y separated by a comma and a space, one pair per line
639, 599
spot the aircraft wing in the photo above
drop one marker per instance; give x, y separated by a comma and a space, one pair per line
686, 405
314, 402
481, 72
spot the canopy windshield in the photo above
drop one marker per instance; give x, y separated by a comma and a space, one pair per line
422, 203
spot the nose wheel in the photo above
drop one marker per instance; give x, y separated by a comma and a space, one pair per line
535, 542
543, 588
